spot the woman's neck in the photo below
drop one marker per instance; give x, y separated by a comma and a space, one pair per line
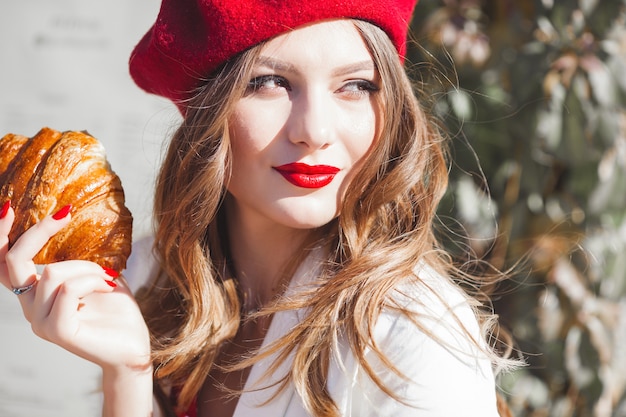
260, 253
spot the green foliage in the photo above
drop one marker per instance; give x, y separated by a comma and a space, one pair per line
536, 91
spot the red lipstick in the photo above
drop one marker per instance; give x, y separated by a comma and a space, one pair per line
307, 176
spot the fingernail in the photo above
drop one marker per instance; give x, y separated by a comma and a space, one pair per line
62, 213
110, 283
5, 209
111, 272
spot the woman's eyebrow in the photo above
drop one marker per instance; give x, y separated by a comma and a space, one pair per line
275, 64
367, 65
283, 66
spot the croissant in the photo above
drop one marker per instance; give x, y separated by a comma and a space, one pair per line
42, 174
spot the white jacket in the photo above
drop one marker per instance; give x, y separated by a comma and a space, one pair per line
447, 379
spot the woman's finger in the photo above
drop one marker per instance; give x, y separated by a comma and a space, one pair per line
6, 222
68, 279
98, 322
60, 293
19, 259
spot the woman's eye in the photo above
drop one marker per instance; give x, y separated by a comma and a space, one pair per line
359, 88
267, 83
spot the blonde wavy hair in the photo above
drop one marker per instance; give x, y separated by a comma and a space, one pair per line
385, 228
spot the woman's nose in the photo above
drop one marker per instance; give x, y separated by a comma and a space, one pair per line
311, 119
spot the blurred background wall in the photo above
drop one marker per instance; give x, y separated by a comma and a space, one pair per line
63, 64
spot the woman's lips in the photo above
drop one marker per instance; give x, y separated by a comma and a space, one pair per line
307, 176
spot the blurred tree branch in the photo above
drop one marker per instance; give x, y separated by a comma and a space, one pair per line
536, 91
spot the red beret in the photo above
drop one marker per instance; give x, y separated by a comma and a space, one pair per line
192, 38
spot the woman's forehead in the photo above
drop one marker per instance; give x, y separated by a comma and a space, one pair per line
336, 40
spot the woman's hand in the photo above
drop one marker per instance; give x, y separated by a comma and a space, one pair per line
75, 304
78, 306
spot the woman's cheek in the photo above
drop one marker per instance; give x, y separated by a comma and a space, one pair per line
363, 131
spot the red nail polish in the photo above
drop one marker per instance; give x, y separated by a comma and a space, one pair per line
110, 283
62, 213
111, 272
5, 209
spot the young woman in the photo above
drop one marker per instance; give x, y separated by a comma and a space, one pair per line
294, 268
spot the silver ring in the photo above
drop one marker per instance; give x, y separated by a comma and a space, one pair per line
24, 289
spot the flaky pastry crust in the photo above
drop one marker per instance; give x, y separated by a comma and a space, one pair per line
42, 174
